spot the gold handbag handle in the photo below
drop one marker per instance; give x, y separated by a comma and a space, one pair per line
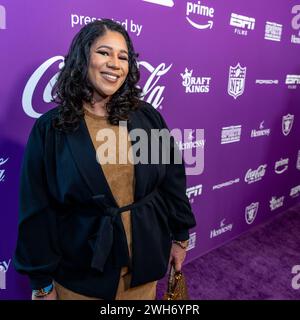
174, 277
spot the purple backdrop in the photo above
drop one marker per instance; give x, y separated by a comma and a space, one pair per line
231, 68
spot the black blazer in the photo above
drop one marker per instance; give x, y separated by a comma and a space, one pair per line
70, 229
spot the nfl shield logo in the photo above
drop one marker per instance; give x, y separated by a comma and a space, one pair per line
250, 212
287, 123
236, 80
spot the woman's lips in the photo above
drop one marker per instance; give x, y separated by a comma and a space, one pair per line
109, 77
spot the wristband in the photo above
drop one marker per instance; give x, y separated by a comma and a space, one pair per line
182, 244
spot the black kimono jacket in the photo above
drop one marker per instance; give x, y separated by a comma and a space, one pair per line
70, 227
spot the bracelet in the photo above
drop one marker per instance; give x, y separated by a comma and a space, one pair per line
39, 293
180, 244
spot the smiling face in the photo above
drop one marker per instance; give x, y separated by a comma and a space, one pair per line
108, 66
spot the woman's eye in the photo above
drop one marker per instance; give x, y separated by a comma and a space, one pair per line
106, 53
103, 52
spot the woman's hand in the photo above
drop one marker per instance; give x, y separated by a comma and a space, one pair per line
177, 256
51, 296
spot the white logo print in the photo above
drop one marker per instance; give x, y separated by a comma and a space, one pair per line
261, 132
33, 82
193, 143
266, 81
3, 269
199, 143
193, 192
276, 203
226, 184
295, 191
298, 161
201, 10
281, 165
195, 84
292, 80
2, 171
154, 92
192, 241
255, 175
166, 3
236, 80
287, 123
223, 228
296, 278
241, 22
296, 24
251, 212
231, 134
273, 31
2, 18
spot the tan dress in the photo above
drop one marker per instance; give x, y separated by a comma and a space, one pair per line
120, 178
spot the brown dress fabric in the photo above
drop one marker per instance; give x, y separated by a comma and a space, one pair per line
120, 177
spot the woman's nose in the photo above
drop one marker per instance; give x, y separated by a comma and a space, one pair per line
114, 62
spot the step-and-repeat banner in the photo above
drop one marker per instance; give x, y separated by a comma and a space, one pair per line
231, 68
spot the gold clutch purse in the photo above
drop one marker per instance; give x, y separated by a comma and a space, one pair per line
177, 288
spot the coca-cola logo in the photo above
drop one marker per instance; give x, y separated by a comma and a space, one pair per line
153, 91
255, 175
33, 82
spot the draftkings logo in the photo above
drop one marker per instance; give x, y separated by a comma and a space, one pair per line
276, 203
195, 84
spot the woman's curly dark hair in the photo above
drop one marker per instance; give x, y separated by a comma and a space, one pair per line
72, 86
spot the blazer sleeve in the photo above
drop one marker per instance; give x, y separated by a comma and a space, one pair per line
37, 253
181, 217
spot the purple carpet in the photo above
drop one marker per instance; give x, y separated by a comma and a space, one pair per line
255, 266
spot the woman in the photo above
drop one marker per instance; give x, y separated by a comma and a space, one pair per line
90, 229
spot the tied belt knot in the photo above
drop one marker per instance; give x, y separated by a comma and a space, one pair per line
110, 235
